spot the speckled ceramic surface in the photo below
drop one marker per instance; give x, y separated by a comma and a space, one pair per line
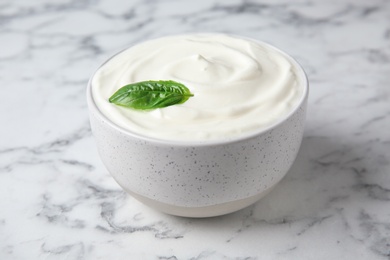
199, 176
179, 178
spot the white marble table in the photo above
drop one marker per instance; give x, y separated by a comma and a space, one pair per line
59, 202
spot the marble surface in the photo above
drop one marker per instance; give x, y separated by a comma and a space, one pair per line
58, 200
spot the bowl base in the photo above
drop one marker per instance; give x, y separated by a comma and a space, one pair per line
201, 212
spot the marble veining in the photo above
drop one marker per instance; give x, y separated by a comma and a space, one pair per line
58, 200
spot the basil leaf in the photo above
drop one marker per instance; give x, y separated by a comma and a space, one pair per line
151, 94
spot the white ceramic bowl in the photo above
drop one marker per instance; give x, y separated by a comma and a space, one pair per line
196, 179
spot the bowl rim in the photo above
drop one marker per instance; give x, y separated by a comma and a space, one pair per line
212, 142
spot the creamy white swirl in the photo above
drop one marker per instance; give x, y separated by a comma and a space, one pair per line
240, 86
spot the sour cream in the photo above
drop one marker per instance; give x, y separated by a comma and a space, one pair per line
240, 86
